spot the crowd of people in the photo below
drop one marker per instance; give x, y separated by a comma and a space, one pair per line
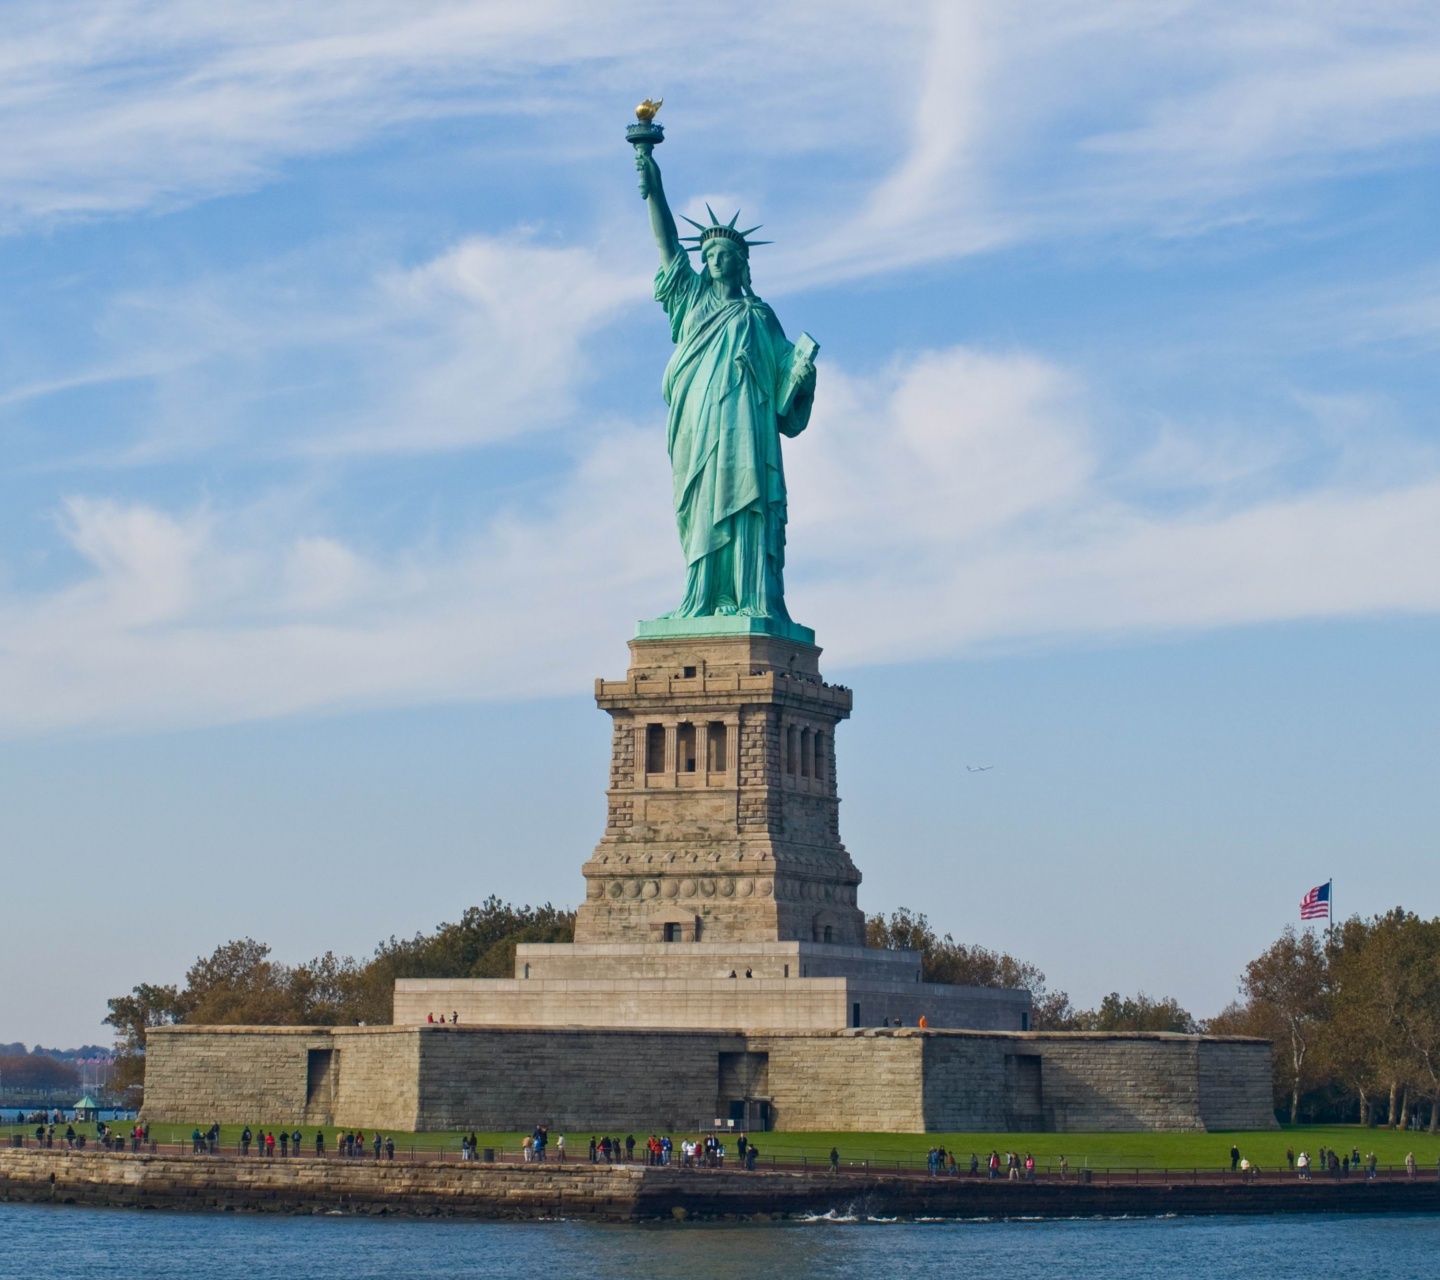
107, 1137
1338, 1164
349, 1144
658, 1150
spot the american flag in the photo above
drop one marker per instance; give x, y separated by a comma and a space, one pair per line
1315, 905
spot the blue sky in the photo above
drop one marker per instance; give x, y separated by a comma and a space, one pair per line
333, 466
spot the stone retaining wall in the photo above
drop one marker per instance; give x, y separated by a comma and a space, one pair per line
636, 1193
572, 1080
898, 1080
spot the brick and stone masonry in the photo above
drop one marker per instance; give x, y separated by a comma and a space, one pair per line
902, 1080
631, 1193
719, 971
723, 821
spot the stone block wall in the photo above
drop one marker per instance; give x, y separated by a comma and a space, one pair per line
379, 1078
715, 960
733, 1004
895, 1080
870, 1081
972, 1008
1236, 1090
230, 1074
1096, 1082
659, 1003
570, 1080
1107, 1082
259, 1075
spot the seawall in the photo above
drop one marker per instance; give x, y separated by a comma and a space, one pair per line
637, 1193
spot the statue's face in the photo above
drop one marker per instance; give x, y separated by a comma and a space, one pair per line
726, 261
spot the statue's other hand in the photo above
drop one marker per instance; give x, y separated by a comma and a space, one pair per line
804, 374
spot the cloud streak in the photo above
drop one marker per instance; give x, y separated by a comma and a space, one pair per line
953, 504
957, 127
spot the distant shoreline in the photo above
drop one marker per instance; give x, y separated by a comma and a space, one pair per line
636, 1193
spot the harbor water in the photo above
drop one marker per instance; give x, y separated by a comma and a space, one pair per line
85, 1244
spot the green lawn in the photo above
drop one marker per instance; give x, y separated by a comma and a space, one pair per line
1098, 1150
1113, 1150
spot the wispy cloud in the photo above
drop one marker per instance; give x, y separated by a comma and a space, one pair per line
952, 504
1074, 121
959, 499
485, 342
961, 125
959, 505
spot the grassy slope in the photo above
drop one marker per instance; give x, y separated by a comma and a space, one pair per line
1099, 1150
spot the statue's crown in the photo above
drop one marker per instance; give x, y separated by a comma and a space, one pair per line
717, 230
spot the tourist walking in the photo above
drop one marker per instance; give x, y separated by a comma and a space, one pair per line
560, 1148
834, 1159
1410, 1165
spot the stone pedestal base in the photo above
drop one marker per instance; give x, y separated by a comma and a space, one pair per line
736, 986
723, 821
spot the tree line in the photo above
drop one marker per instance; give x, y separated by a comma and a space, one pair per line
239, 984
36, 1073
942, 959
1354, 1014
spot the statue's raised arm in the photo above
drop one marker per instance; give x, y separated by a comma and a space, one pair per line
662, 221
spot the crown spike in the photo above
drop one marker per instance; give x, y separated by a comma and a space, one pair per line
734, 220
714, 221
699, 226
753, 229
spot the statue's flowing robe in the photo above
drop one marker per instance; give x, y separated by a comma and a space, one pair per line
723, 385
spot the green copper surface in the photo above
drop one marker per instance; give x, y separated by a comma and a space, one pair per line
734, 386
721, 625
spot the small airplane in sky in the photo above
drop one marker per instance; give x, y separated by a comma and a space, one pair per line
978, 768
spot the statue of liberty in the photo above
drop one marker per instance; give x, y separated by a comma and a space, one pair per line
734, 386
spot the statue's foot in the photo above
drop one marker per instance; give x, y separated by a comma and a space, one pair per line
726, 611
